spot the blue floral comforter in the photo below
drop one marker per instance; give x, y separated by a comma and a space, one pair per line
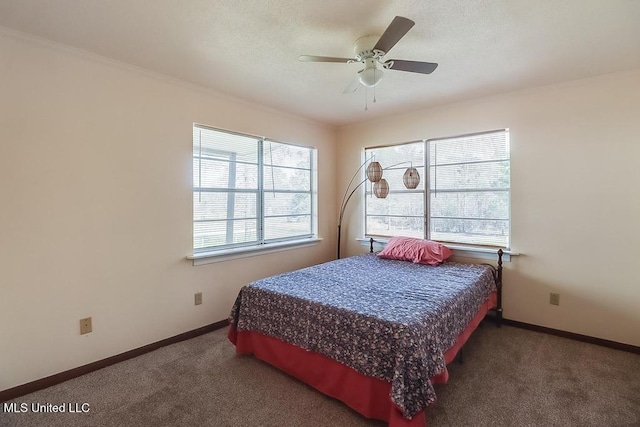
386, 319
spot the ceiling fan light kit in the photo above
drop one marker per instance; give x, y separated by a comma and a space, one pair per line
370, 76
370, 51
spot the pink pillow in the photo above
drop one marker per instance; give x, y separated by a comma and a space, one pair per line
415, 250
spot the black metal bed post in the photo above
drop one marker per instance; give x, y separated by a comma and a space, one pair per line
499, 286
371, 245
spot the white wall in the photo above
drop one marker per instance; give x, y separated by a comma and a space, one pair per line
575, 176
96, 207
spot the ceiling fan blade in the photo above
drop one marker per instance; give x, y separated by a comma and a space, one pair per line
412, 66
354, 84
394, 32
313, 58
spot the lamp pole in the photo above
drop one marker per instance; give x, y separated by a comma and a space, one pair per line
342, 209
345, 199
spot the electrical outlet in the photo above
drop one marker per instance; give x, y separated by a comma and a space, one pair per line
198, 298
554, 299
85, 326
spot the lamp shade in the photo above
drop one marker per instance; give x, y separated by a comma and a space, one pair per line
381, 189
374, 172
370, 76
411, 178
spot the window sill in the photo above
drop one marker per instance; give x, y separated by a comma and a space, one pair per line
203, 258
458, 250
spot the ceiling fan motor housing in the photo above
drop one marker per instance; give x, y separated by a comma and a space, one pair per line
363, 47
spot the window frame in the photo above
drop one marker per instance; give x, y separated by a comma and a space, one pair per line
427, 192
260, 243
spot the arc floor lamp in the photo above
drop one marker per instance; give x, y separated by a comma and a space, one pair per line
374, 171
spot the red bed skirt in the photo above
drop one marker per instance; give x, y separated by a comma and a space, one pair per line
368, 396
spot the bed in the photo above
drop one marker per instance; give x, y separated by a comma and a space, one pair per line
371, 332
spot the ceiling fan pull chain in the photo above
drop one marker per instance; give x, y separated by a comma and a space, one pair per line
374, 87
366, 98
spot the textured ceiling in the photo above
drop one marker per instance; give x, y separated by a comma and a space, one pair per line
249, 49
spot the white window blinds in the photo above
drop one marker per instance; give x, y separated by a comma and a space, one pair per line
463, 196
469, 189
248, 190
287, 191
401, 213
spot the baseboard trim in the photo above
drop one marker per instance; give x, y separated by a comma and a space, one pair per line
43, 383
571, 335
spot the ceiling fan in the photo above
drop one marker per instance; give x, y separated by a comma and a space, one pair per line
370, 51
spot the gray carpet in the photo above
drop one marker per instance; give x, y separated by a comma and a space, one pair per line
510, 377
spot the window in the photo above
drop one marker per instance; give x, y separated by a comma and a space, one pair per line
401, 213
466, 201
249, 191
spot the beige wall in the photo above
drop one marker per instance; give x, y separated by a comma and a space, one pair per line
96, 205
575, 176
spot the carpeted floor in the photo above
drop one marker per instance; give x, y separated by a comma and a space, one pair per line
510, 377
